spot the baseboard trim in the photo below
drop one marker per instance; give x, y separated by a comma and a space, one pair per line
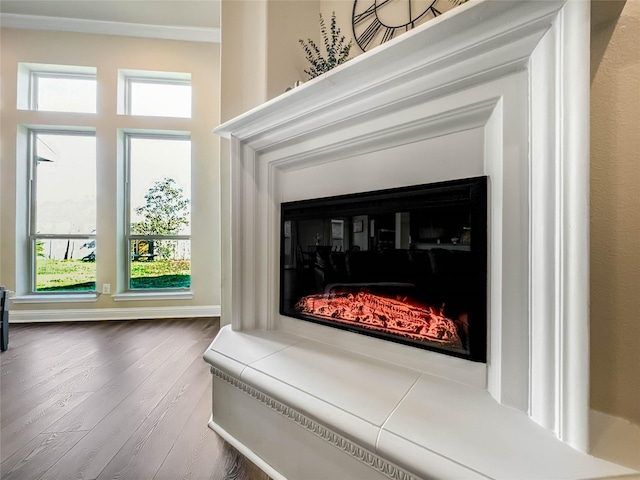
246, 451
614, 439
97, 314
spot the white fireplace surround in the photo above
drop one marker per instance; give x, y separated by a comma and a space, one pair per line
492, 88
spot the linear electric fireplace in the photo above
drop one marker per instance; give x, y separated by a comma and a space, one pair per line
407, 265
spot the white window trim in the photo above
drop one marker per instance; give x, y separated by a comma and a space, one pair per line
168, 294
52, 297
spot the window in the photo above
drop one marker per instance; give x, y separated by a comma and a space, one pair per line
148, 215
62, 224
144, 95
56, 93
158, 211
156, 94
57, 88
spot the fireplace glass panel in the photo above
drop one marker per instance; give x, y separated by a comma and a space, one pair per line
407, 265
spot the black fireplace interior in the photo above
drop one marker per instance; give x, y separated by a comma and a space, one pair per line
407, 265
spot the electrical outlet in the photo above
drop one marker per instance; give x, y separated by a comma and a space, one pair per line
106, 288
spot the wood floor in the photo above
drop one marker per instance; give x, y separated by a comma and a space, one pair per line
112, 400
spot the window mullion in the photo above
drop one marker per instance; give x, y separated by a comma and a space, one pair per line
160, 237
33, 92
71, 236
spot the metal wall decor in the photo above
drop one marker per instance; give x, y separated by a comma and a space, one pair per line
377, 21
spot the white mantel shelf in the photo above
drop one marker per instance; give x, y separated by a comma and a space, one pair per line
491, 88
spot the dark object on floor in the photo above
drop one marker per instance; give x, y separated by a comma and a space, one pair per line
4, 319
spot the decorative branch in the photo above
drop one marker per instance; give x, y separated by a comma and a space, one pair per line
334, 43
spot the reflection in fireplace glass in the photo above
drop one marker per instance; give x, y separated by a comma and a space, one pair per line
407, 265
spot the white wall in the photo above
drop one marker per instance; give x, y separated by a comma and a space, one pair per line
426, 161
108, 54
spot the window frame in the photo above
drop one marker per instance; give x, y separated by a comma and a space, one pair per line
32, 235
128, 236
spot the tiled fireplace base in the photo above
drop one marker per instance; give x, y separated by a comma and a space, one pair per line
273, 389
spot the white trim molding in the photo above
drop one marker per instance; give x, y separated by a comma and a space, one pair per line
100, 314
381, 465
56, 298
327, 407
242, 448
154, 295
99, 27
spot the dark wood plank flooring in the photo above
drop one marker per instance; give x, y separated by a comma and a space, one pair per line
113, 400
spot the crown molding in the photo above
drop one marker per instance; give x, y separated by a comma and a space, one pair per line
77, 25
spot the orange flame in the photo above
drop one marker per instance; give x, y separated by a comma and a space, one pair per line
378, 313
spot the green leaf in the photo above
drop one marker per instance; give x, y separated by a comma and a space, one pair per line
334, 43
165, 212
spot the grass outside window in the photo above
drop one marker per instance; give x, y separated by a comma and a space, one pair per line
79, 276
160, 274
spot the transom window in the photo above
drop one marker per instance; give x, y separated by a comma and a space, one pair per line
57, 88
64, 93
62, 226
158, 211
155, 94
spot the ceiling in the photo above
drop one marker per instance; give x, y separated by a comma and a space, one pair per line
184, 13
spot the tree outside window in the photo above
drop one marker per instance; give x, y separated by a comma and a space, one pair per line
159, 235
